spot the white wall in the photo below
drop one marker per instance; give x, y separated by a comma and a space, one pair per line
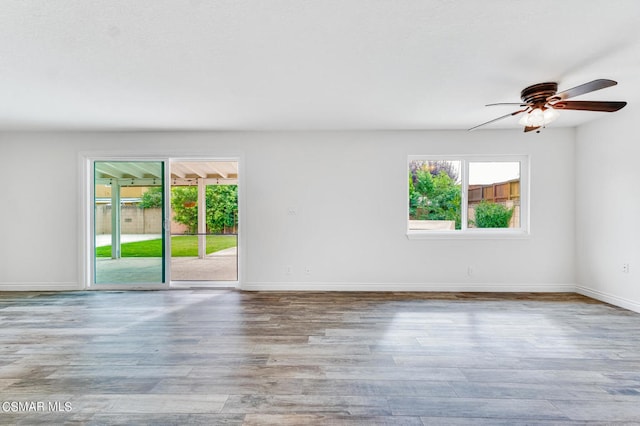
38, 212
608, 209
348, 190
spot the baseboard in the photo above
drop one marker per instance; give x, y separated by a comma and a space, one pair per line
204, 284
609, 298
405, 287
399, 287
31, 286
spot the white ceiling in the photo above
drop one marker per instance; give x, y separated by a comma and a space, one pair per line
303, 64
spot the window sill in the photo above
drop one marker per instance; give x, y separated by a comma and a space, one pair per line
469, 235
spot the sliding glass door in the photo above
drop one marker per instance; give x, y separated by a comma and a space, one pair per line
128, 224
204, 221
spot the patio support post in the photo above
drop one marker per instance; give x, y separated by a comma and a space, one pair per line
115, 220
202, 218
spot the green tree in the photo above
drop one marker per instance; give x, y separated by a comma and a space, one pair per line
433, 194
492, 215
184, 205
424, 183
435, 167
222, 208
445, 200
420, 189
221, 203
414, 198
151, 198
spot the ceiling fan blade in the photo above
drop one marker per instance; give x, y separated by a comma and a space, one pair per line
531, 128
603, 106
509, 103
497, 119
591, 86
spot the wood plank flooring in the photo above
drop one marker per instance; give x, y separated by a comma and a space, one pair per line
239, 358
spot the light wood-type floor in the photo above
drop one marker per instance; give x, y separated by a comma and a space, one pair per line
216, 357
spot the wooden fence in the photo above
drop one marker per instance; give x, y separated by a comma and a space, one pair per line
505, 193
495, 193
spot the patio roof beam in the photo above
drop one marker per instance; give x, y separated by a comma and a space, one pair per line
177, 173
195, 170
208, 181
145, 170
104, 170
216, 169
130, 181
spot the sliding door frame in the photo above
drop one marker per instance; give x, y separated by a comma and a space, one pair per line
86, 242
90, 225
212, 283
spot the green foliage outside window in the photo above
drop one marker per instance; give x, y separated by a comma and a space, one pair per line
222, 206
492, 215
434, 196
152, 198
184, 205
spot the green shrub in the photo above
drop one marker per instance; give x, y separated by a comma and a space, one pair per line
221, 203
152, 198
434, 197
492, 215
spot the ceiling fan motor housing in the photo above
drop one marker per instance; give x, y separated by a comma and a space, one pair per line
538, 93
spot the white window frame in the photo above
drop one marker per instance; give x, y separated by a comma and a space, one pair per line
476, 233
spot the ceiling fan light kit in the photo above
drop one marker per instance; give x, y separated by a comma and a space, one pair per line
541, 102
539, 117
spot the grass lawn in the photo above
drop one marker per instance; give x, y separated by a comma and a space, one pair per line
181, 246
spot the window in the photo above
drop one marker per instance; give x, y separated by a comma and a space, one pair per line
470, 195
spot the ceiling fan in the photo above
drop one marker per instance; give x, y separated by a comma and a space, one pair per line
541, 102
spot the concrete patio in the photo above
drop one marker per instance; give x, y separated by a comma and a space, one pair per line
218, 266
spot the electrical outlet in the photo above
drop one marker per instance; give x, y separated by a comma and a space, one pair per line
625, 268
470, 271
289, 269
307, 270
